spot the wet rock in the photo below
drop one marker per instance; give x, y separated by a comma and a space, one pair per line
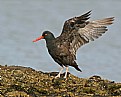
17, 81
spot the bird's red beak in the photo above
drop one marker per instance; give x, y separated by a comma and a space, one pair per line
39, 38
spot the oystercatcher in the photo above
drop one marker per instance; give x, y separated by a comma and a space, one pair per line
76, 32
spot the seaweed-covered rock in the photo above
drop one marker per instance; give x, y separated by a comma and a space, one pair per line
17, 81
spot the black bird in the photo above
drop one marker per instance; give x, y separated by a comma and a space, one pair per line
76, 32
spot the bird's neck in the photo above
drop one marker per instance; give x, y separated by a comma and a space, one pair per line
49, 41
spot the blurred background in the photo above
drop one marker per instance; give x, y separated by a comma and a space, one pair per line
21, 21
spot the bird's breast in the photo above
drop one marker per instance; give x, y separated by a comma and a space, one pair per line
57, 49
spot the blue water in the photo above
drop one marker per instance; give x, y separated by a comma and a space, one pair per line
21, 21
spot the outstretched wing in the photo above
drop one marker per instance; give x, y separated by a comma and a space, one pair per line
78, 31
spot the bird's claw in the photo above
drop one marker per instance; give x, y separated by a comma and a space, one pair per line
58, 76
64, 77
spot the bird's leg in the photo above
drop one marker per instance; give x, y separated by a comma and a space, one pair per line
66, 72
58, 76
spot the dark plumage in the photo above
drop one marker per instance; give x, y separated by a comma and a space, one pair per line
76, 32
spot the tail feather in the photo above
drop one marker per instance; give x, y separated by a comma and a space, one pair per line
76, 66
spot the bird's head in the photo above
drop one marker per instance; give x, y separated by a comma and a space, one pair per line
47, 35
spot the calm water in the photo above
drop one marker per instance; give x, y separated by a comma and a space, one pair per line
21, 21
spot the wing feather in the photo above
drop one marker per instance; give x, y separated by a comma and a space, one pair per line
78, 31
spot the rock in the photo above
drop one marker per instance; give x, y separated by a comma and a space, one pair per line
17, 81
16, 94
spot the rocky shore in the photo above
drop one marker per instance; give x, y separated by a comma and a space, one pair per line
17, 81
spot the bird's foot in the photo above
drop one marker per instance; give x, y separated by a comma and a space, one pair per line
58, 76
65, 77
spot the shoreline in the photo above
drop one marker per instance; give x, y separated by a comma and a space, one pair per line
27, 82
